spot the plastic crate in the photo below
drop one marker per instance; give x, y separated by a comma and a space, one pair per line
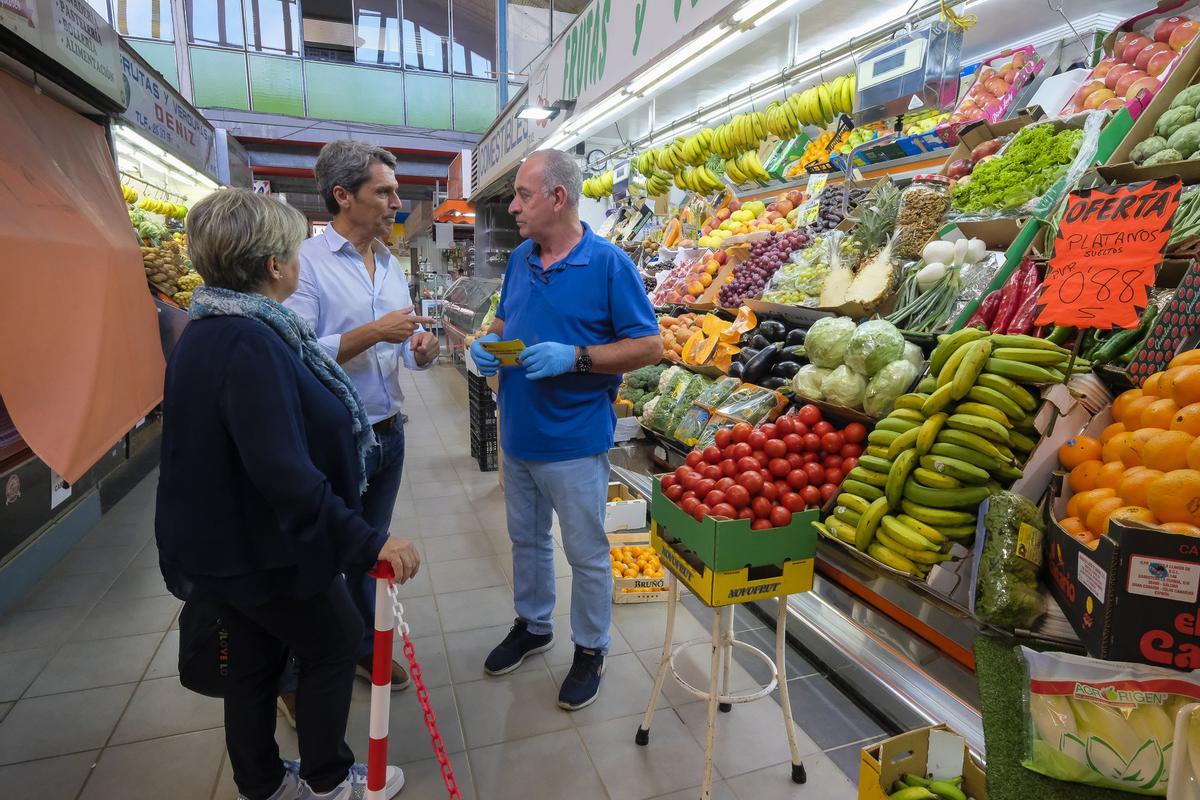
488, 456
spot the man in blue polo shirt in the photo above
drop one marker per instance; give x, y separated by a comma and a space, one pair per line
578, 304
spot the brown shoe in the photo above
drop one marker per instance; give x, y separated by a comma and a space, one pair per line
286, 703
400, 679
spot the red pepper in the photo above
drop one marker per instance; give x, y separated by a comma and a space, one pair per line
1022, 320
1008, 301
985, 311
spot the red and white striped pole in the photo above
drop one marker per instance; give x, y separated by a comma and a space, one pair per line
381, 682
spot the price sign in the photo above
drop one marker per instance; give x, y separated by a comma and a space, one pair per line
812, 209
1107, 251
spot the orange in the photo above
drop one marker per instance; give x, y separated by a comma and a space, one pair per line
1078, 450
1133, 454
1097, 518
1180, 527
1172, 376
1136, 484
1187, 419
1110, 475
1085, 537
1133, 514
1159, 414
1186, 388
1079, 505
1133, 412
1193, 454
1083, 476
1115, 446
1111, 431
1185, 359
1072, 525
1175, 497
1122, 401
1167, 450
1151, 385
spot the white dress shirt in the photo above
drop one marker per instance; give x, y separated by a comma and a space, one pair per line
336, 295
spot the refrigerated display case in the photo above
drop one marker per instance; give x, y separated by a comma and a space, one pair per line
464, 307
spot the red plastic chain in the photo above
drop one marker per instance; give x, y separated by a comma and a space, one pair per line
439, 747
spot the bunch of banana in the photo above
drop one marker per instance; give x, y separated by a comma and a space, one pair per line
598, 186
781, 118
129, 194
647, 162
820, 105
743, 132
746, 167
170, 210
700, 179
658, 182
965, 433
917, 787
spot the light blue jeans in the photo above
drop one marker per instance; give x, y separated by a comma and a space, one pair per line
577, 490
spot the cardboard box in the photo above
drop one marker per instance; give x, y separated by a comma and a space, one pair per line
1176, 327
734, 586
623, 511
976, 133
936, 751
1136, 596
995, 111
636, 590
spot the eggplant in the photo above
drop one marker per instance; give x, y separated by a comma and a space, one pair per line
735, 369
785, 369
773, 330
774, 383
759, 366
758, 341
748, 353
794, 337
797, 354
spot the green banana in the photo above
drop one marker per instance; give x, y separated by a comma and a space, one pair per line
982, 426
946, 374
846, 515
980, 410
946, 790
864, 490
1007, 473
881, 437
935, 480
1022, 341
937, 401
927, 384
864, 531
1010, 389
908, 413
1018, 371
916, 556
937, 517
968, 370
907, 536
958, 531
840, 530
982, 395
930, 428
897, 424
903, 442
864, 475
891, 558
972, 441
966, 497
912, 400
1021, 442
949, 344
963, 453
960, 470
922, 529
1031, 355
914, 780
852, 502
902, 467
874, 463
879, 451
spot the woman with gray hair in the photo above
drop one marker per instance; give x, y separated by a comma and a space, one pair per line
259, 509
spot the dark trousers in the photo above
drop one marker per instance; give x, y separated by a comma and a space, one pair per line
322, 633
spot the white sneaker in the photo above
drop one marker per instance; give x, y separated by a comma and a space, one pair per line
355, 786
289, 789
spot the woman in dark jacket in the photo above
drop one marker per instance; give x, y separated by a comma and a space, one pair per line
258, 497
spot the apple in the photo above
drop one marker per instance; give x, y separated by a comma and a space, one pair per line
721, 257
1111, 104
1097, 97
784, 207
984, 98
1116, 73
997, 86
1165, 28
1183, 34
1082, 94
1143, 58
1018, 61
795, 197
734, 205
1159, 62
1101, 69
1126, 81
1133, 45
1146, 84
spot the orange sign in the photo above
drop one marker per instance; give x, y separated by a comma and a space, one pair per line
1107, 251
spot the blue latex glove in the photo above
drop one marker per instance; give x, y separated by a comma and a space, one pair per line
487, 363
547, 359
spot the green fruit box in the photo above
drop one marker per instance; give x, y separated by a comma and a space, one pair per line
935, 751
725, 545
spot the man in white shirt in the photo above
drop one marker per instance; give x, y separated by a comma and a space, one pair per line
356, 296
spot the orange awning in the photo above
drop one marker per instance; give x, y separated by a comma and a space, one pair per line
459, 211
80, 356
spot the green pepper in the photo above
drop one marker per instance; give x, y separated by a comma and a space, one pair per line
1124, 340
1060, 334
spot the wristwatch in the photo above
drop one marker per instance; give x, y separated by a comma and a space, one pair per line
583, 361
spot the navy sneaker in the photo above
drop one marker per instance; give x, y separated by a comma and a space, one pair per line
582, 684
511, 653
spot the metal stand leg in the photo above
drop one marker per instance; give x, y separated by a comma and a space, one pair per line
798, 774
727, 658
713, 700
664, 663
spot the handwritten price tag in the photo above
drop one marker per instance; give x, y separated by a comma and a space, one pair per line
1107, 251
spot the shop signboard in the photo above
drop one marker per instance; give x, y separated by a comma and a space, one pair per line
160, 114
607, 44
20, 17
74, 35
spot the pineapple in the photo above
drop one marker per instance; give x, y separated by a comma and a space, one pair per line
876, 220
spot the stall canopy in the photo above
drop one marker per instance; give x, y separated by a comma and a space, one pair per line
80, 359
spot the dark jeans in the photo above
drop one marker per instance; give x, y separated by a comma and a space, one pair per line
322, 633
385, 464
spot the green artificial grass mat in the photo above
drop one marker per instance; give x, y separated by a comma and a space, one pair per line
1001, 678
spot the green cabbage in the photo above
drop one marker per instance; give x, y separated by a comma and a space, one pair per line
886, 385
873, 345
807, 382
844, 387
825, 343
914, 356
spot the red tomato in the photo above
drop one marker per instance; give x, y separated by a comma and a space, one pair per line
855, 432
760, 525
811, 495
796, 460
799, 428
809, 414
766, 475
751, 481
797, 479
737, 496
775, 448
714, 497
832, 442
741, 432
747, 464
850, 450
712, 472
700, 512
756, 440
785, 425
770, 491
682, 472
712, 454
674, 493
690, 480
727, 452
762, 458
705, 486
779, 467
668, 480
822, 428
794, 443
724, 437
780, 517
729, 468
812, 442
689, 505
834, 476
686, 495
793, 502
724, 484
828, 490
809, 458
816, 475
694, 458
761, 507
742, 450
770, 430
724, 510
745, 513
782, 487
849, 464
832, 462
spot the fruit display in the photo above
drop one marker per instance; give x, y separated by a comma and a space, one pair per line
129, 194
864, 367
640, 387
676, 331
168, 210
1176, 135
1139, 62
962, 167
165, 267
750, 277
1029, 166
864, 278
799, 281
834, 203
817, 152
1145, 466
766, 474
187, 284
737, 218
637, 561
598, 186
994, 88
918, 787
149, 231
965, 433
689, 278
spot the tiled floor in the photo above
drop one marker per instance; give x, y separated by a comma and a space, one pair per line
90, 706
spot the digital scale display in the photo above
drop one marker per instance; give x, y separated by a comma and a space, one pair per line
918, 69
888, 63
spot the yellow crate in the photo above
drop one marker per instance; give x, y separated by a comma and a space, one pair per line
650, 590
734, 586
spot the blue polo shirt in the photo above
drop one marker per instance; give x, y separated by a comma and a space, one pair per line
592, 296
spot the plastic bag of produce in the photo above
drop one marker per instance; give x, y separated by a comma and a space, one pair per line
668, 376
1006, 575
753, 404
1185, 763
1103, 723
844, 387
914, 355
825, 343
873, 345
648, 410
717, 391
694, 387
692, 425
807, 382
879, 398
669, 400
